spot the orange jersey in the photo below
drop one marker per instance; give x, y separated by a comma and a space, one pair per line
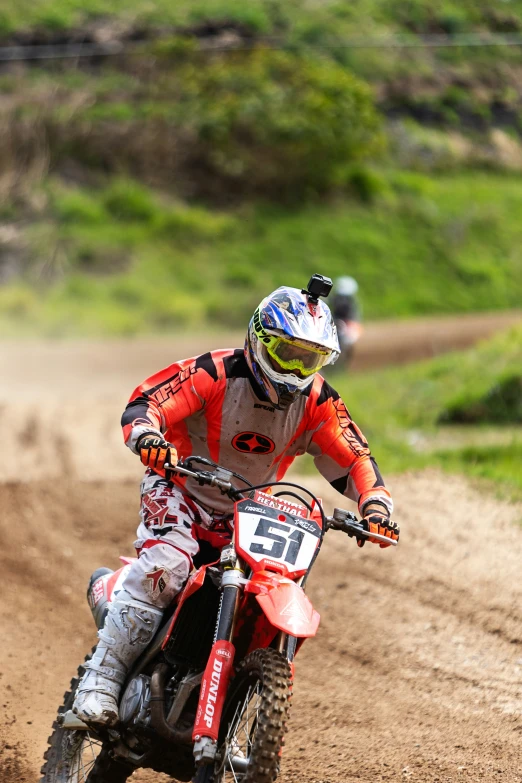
211, 406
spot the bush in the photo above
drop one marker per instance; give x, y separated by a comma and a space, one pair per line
129, 201
256, 122
276, 123
366, 184
502, 404
75, 206
188, 225
17, 302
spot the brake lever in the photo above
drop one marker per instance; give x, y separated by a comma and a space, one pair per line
207, 477
180, 469
347, 522
202, 461
359, 532
340, 519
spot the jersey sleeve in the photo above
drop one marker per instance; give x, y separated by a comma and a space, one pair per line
167, 398
340, 450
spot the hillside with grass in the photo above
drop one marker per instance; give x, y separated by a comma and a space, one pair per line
227, 149
461, 412
471, 87
125, 260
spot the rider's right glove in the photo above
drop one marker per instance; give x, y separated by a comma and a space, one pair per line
379, 522
155, 452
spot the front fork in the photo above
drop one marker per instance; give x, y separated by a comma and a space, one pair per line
218, 670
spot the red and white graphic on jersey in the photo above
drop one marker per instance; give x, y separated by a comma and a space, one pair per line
209, 406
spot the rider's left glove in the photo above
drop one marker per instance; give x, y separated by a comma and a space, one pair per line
376, 520
155, 452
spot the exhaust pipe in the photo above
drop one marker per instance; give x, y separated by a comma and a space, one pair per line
157, 709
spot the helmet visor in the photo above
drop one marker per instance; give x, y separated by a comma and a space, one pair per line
299, 357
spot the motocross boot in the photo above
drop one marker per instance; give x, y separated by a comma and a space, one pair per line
128, 630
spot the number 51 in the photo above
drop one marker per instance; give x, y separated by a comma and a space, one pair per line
265, 530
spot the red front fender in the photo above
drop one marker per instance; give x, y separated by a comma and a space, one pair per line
285, 605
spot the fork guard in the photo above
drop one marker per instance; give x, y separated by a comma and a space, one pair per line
285, 604
213, 691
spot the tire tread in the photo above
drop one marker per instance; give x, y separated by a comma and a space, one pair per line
105, 770
275, 674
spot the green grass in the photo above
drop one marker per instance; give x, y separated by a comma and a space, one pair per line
499, 465
417, 395
262, 123
399, 410
311, 21
300, 24
126, 260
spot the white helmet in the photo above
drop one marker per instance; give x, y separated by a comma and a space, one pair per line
346, 286
290, 337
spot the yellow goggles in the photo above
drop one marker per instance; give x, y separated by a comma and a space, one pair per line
294, 355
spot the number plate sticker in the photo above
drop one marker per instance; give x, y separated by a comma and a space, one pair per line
272, 535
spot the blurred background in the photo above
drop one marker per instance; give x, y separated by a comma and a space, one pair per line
163, 166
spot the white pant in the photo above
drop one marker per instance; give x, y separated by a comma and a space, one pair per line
171, 524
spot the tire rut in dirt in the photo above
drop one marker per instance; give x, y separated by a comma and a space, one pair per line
394, 645
56, 768
270, 672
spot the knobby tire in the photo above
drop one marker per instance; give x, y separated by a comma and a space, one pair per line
270, 672
56, 768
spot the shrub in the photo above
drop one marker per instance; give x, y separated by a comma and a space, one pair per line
367, 184
188, 225
129, 201
211, 125
274, 122
502, 404
75, 206
240, 276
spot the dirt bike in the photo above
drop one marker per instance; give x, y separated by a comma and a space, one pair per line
209, 699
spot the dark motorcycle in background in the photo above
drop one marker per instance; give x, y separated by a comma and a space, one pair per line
209, 699
349, 334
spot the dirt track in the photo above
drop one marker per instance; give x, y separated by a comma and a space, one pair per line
417, 669
416, 672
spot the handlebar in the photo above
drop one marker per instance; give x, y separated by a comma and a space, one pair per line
353, 527
342, 520
205, 477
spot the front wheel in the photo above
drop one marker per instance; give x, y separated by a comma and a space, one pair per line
254, 721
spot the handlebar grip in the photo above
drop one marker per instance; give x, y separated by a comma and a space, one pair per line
357, 530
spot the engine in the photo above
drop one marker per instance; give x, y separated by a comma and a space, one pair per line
135, 703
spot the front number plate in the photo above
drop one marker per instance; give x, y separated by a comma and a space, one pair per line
266, 534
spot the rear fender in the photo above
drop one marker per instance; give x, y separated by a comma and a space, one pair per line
285, 604
115, 581
128, 560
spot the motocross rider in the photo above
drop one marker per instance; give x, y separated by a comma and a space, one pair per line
252, 410
347, 316
345, 306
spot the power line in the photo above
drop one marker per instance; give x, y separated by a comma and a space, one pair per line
60, 51
430, 41
112, 48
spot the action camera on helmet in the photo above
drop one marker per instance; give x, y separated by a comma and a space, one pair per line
318, 286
